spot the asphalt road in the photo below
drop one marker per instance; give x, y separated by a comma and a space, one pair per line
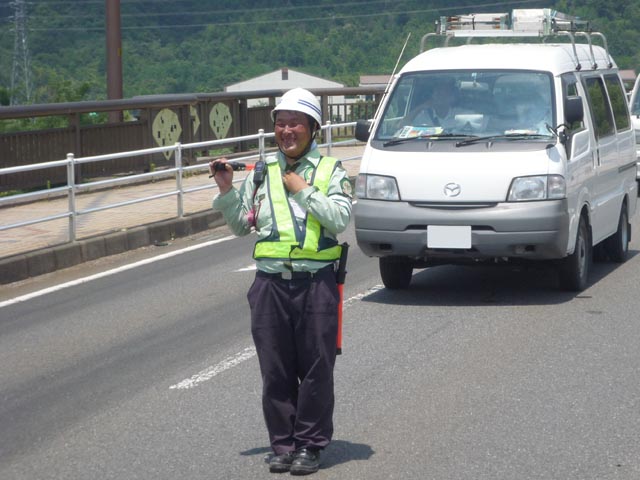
148, 372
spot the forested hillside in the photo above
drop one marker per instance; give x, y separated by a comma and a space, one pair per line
184, 46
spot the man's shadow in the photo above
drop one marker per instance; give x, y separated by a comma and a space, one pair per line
343, 451
338, 451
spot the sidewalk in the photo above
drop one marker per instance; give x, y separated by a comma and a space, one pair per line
44, 247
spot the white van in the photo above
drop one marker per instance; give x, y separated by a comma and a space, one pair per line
500, 152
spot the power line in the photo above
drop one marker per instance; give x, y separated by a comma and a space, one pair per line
285, 20
230, 12
123, 2
248, 9
74, 2
229, 24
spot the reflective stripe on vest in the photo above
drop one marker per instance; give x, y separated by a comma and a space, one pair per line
286, 241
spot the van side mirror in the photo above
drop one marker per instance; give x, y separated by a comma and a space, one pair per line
573, 110
362, 130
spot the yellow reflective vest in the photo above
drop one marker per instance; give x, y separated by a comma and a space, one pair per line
287, 241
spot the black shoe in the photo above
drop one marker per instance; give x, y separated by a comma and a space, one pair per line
281, 463
306, 461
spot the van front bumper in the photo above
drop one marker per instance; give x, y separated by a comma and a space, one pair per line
532, 230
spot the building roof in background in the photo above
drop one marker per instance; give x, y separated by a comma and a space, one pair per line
370, 80
284, 78
628, 75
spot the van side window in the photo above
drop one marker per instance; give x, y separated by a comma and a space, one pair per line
635, 108
600, 110
618, 102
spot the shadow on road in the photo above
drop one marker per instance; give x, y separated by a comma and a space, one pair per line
339, 451
343, 451
455, 285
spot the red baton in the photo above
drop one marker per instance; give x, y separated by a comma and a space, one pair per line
341, 274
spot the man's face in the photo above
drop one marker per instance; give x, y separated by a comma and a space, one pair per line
292, 132
442, 96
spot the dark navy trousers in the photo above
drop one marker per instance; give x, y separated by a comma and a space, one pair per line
294, 325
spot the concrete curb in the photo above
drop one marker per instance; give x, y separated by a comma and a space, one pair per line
46, 260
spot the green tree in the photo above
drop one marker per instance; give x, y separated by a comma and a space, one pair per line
203, 46
5, 96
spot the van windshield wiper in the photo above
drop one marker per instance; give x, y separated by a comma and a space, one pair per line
431, 136
504, 136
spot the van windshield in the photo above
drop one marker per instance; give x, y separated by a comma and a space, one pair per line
441, 105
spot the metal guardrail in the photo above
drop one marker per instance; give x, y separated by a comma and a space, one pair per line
72, 189
150, 121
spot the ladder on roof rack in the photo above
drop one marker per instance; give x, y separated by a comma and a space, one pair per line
537, 22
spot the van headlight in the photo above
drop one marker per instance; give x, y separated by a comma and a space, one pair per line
539, 187
377, 187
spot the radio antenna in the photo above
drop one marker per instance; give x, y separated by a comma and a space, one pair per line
386, 90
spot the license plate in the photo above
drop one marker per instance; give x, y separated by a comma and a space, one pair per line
446, 236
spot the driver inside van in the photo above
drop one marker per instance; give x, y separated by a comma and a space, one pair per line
438, 110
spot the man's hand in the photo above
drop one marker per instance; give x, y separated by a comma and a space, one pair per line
224, 178
294, 182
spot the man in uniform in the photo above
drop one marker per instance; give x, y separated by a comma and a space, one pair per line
297, 211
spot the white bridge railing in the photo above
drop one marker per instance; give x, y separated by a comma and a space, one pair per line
72, 189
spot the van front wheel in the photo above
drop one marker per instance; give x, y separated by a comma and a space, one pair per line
396, 272
574, 270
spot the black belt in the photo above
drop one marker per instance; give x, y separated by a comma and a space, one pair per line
295, 275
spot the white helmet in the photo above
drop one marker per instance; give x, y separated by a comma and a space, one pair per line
300, 100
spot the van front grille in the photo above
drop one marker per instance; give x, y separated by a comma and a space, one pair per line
452, 206
474, 228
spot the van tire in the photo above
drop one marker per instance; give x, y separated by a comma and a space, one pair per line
574, 269
617, 245
396, 272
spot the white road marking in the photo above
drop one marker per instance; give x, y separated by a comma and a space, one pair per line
250, 268
247, 353
107, 273
360, 296
209, 373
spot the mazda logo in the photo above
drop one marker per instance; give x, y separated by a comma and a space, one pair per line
452, 189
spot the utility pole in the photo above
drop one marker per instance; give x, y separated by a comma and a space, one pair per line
114, 55
21, 71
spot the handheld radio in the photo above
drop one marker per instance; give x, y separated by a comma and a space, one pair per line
258, 172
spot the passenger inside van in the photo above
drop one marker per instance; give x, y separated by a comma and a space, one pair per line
533, 114
520, 114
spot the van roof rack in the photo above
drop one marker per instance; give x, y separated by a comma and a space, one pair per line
535, 22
